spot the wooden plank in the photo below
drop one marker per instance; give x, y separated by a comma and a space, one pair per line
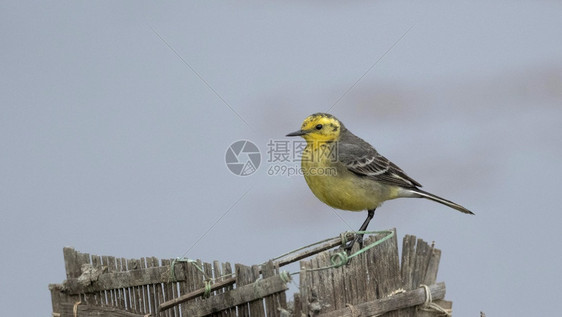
392, 303
297, 306
432, 267
363, 275
176, 294
420, 266
323, 281
146, 290
158, 292
208, 269
116, 280
429, 277
120, 292
268, 270
100, 295
117, 292
227, 272
167, 290
256, 306
281, 298
408, 261
371, 265
182, 267
387, 267
175, 287
407, 270
118, 296
58, 298
126, 300
275, 302
340, 285
195, 294
243, 278
71, 264
84, 259
95, 311
127, 291
109, 292
291, 258
305, 282
198, 277
140, 292
354, 271
150, 290
218, 276
237, 297
371, 283
194, 282
73, 270
133, 290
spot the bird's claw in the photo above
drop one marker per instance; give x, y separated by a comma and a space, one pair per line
349, 246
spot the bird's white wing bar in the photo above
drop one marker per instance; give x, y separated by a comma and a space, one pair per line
369, 166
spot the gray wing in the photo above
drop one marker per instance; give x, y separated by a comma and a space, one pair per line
362, 159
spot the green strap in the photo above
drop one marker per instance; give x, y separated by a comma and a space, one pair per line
341, 258
336, 260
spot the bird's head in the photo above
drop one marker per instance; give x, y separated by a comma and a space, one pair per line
320, 127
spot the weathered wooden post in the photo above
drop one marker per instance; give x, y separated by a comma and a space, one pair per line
375, 281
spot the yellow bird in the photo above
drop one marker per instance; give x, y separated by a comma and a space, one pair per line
345, 172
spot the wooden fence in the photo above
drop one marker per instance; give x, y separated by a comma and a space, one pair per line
373, 283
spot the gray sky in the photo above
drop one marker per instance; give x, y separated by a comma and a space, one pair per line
115, 145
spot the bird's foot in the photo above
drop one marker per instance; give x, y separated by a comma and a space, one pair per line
349, 246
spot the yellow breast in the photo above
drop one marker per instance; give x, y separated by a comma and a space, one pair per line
336, 186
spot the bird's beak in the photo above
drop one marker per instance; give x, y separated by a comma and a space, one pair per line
298, 133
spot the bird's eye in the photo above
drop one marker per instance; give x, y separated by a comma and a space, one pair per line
318, 126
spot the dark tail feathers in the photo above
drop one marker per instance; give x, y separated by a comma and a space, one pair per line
441, 200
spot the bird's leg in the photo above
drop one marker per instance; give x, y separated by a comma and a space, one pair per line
359, 237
